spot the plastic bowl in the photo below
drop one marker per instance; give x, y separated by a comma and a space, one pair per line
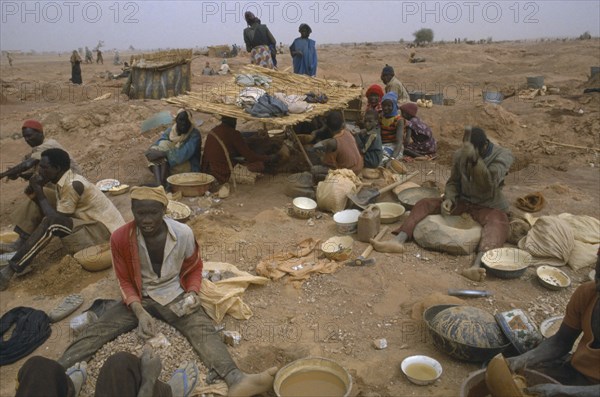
506, 262
418, 368
336, 377
553, 278
346, 221
190, 184
303, 207
390, 212
337, 248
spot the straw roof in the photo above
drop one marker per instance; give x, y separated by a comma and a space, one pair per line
161, 59
212, 100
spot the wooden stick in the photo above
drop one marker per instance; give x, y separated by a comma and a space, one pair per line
369, 249
573, 146
301, 147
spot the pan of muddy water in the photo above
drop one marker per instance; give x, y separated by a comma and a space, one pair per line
312, 377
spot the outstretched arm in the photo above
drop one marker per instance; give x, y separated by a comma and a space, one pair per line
552, 348
16, 171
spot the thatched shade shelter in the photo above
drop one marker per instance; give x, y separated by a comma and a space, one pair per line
213, 100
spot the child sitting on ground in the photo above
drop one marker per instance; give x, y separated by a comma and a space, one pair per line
418, 137
369, 140
392, 128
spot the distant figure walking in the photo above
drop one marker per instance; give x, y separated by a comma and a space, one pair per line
88, 56
9, 58
258, 38
116, 58
304, 52
76, 68
99, 58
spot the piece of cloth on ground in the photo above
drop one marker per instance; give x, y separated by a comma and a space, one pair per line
32, 328
225, 296
298, 264
532, 202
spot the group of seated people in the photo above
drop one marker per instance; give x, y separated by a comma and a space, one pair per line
156, 260
390, 130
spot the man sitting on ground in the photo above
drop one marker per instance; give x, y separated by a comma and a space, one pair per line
82, 215
27, 215
158, 266
579, 373
217, 162
177, 150
208, 71
340, 151
475, 188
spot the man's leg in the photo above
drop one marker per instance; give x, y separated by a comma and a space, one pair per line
421, 209
115, 321
27, 217
58, 225
41, 376
495, 230
200, 331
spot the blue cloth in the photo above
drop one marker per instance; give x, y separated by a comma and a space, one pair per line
307, 62
392, 96
188, 151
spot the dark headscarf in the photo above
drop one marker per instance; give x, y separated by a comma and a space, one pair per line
410, 107
388, 70
303, 25
250, 18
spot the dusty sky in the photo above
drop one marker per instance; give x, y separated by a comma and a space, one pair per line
66, 25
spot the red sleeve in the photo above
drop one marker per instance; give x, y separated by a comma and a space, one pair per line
122, 261
191, 271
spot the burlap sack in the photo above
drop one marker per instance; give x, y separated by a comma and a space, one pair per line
583, 255
225, 296
550, 241
585, 228
332, 192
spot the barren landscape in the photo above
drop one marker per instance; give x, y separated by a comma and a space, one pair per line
332, 315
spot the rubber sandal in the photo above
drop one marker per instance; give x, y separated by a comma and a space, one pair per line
66, 307
187, 388
83, 371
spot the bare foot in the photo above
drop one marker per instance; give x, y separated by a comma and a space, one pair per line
78, 375
184, 379
474, 273
251, 385
390, 246
151, 366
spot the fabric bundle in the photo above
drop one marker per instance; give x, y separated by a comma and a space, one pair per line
32, 328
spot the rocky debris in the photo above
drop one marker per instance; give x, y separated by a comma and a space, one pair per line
232, 338
380, 344
172, 354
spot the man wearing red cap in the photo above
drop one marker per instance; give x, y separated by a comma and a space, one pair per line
28, 215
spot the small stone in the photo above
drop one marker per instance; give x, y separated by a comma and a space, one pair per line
232, 338
380, 344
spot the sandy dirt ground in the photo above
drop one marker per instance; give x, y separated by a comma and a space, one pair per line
337, 315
